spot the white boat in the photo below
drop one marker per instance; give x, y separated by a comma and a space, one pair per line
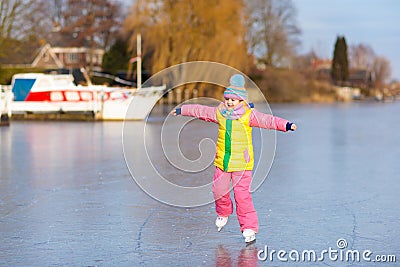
5, 103
57, 93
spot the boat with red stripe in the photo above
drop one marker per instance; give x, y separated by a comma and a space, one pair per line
50, 93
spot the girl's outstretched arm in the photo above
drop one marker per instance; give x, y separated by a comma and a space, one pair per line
201, 112
267, 121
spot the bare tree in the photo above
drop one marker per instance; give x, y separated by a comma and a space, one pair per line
381, 70
361, 56
273, 31
20, 20
89, 23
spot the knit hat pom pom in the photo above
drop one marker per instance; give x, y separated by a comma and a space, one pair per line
237, 80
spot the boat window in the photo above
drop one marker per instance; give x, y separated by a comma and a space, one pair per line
72, 96
56, 96
86, 96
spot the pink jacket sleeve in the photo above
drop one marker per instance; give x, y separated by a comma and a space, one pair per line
201, 112
267, 121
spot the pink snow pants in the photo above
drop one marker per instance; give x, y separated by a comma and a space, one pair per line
241, 181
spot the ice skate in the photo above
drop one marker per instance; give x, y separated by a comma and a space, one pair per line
221, 222
249, 236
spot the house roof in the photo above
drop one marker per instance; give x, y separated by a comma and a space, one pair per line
46, 57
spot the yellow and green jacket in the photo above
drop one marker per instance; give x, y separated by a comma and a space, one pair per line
234, 150
234, 144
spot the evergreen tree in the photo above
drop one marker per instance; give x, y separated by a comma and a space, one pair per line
344, 60
335, 73
340, 64
117, 57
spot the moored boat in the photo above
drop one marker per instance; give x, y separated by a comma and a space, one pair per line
38, 93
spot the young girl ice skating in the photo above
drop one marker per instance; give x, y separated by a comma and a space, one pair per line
234, 159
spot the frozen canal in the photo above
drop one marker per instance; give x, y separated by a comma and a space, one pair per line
67, 197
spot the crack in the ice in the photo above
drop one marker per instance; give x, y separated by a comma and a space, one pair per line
139, 238
353, 231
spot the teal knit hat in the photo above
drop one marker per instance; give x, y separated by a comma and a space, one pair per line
236, 88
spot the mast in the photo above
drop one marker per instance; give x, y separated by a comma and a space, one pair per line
139, 60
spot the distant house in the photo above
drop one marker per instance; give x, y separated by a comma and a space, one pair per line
49, 57
322, 68
361, 78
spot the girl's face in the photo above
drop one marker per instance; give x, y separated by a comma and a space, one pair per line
231, 103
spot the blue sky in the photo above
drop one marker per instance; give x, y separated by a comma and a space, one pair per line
372, 22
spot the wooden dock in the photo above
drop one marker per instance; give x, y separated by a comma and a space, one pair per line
70, 116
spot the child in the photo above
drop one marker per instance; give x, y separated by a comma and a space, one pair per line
234, 159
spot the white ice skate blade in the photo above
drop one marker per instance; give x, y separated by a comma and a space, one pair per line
251, 242
250, 239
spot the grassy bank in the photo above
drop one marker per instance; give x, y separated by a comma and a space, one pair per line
282, 86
